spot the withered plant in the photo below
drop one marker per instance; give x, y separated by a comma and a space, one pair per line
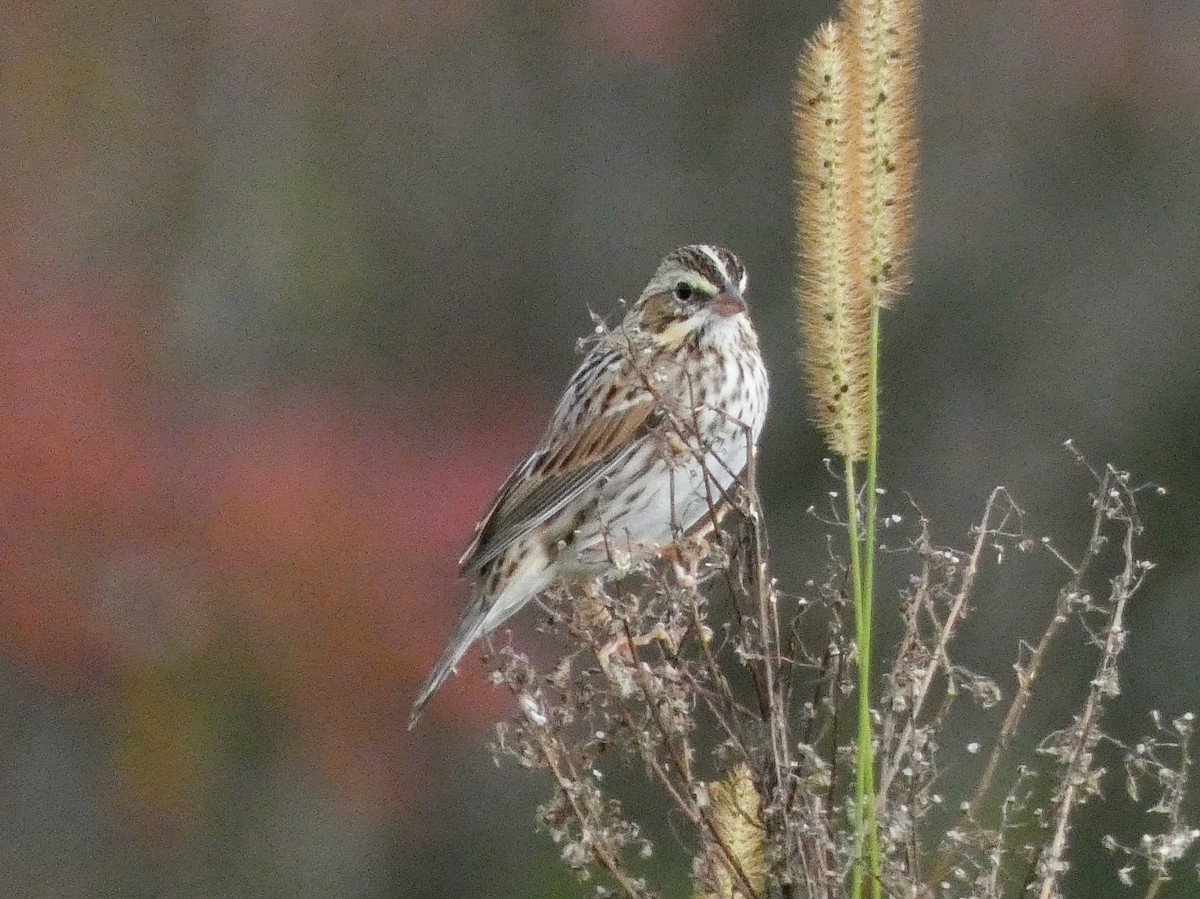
750, 707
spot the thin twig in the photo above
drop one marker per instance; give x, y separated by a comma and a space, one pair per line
1077, 770
1027, 675
598, 850
939, 660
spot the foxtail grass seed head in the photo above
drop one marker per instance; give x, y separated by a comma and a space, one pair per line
881, 46
834, 316
738, 850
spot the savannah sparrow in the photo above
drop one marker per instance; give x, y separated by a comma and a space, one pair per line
653, 429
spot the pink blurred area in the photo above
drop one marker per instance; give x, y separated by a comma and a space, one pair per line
149, 524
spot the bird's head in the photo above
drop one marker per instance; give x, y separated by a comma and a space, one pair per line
695, 287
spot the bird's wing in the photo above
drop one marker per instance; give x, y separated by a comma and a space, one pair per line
578, 450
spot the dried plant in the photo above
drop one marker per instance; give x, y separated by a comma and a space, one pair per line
740, 723
754, 718
856, 161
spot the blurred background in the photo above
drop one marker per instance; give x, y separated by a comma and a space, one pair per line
286, 289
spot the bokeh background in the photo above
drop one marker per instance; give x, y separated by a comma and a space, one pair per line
287, 288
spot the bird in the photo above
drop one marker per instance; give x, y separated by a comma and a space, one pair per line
647, 441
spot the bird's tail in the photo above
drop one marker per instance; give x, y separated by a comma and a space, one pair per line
471, 627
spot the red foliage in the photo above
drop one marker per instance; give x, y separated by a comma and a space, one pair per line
140, 522
666, 33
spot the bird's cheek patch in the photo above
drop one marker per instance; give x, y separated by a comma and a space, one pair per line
673, 335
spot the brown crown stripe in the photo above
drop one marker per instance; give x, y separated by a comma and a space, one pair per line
697, 260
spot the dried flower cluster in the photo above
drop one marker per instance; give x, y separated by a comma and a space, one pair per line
738, 716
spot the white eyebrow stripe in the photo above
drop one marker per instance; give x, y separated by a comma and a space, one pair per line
712, 254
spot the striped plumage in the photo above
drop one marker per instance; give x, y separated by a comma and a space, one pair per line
653, 428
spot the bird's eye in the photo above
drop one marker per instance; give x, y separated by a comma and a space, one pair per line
683, 291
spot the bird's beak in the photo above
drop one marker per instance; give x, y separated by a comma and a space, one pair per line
729, 302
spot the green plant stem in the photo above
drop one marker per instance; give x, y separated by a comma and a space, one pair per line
864, 747
866, 825
869, 585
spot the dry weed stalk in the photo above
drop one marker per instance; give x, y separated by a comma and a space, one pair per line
754, 721
856, 162
744, 736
